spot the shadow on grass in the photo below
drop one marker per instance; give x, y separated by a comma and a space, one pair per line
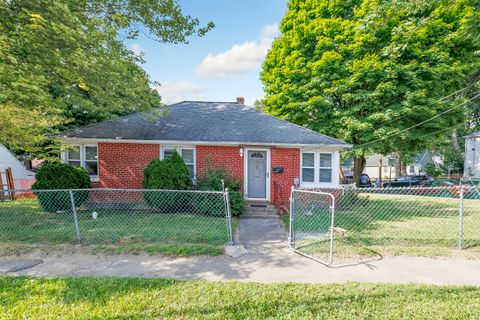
127, 298
388, 222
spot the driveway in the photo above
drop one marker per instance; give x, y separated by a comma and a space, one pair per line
268, 260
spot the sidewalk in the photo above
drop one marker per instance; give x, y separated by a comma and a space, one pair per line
268, 260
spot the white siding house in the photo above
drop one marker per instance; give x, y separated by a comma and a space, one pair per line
472, 155
22, 177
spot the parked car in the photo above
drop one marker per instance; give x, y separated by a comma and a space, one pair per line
408, 181
423, 178
365, 181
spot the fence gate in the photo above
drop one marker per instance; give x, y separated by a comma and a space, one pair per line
312, 224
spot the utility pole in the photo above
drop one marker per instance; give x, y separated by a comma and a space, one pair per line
380, 168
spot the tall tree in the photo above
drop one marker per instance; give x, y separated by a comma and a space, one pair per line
63, 62
368, 71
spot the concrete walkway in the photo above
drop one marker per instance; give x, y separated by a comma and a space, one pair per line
268, 260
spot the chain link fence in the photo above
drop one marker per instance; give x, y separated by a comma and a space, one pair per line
117, 216
312, 224
372, 222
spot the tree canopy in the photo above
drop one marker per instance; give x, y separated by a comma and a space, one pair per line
366, 71
63, 62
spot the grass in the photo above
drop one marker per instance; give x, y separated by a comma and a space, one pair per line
388, 224
134, 298
115, 231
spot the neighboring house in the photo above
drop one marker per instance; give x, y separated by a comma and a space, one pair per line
422, 160
372, 165
267, 153
22, 178
472, 155
388, 166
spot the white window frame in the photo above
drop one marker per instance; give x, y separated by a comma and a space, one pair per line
304, 167
316, 181
328, 168
179, 151
83, 160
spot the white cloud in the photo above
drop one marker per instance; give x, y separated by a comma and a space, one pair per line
240, 58
176, 91
270, 31
136, 49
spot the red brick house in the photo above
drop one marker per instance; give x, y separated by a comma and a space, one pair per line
267, 153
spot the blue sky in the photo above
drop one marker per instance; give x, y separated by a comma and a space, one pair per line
223, 64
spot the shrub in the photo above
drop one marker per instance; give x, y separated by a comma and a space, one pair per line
432, 170
212, 181
60, 176
167, 174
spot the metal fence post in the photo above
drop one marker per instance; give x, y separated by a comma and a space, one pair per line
229, 218
75, 217
460, 218
290, 234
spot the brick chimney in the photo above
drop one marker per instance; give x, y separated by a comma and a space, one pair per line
241, 100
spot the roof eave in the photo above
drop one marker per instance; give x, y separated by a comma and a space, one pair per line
340, 146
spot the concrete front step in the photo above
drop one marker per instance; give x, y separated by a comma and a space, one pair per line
260, 212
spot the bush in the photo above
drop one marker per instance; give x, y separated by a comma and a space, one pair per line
212, 181
167, 174
432, 170
60, 176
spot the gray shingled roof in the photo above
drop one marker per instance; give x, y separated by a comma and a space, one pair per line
205, 122
473, 134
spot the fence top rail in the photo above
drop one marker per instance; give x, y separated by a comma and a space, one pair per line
387, 188
111, 189
331, 196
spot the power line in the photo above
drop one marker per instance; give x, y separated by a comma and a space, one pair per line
433, 133
418, 124
438, 100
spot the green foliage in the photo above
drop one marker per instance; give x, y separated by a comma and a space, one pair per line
63, 63
432, 170
237, 202
168, 174
212, 181
60, 176
453, 161
364, 70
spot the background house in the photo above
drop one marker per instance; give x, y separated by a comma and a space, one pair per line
415, 167
472, 155
267, 153
388, 166
422, 160
22, 178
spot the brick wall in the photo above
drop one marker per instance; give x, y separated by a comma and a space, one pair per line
121, 164
227, 158
281, 183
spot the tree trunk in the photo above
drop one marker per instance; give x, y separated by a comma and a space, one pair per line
455, 143
358, 166
398, 164
403, 167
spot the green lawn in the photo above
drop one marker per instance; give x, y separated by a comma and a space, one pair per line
23, 221
133, 298
389, 224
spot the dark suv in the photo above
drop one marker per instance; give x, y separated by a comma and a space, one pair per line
364, 180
